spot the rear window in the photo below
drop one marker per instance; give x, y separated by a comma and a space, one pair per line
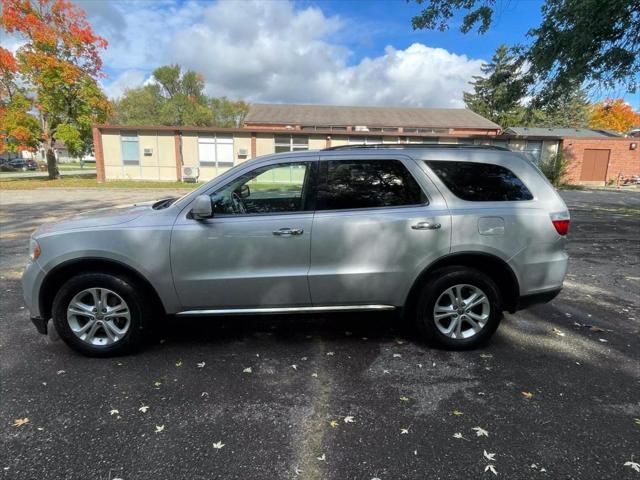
480, 182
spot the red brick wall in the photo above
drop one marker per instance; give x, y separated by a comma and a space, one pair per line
621, 158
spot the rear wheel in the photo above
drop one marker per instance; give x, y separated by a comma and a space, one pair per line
100, 314
459, 308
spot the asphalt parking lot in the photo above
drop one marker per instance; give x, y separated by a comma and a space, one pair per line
555, 395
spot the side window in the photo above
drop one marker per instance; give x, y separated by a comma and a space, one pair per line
366, 184
480, 182
130, 150
277, 188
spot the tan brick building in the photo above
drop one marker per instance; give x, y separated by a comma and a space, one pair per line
151, 152
148, 152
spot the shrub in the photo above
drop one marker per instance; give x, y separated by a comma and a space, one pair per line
554, 168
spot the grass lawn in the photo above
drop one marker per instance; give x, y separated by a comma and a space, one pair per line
87, 182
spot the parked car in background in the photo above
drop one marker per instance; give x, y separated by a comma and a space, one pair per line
21, 164
451, 235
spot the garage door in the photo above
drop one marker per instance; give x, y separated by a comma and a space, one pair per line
594, 165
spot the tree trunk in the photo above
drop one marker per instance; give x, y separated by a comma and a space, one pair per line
52, 164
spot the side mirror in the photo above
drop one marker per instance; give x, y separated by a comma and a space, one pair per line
244, 191
202, 208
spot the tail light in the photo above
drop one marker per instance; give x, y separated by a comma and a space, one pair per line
561, 222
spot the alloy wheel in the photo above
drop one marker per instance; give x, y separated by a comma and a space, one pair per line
98, 316
461, 311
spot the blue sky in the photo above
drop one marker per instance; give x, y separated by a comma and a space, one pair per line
348, 52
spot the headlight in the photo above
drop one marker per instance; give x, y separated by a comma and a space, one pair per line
34, 249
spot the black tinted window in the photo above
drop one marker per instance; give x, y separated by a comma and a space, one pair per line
366, 184
480, 182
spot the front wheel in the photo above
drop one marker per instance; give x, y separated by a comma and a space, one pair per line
100, 314
458, 308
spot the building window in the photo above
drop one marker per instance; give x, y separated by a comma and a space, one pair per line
465, 141
215, 150
290, 143
130, 148
364, 140
534, 148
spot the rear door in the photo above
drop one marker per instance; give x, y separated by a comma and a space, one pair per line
378, 222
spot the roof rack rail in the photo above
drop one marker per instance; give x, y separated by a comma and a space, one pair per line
414, 145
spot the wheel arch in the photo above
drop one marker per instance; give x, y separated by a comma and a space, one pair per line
494, 267
57, 277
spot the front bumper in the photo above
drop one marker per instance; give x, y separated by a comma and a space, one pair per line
32, 279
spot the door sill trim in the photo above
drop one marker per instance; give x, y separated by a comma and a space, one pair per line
276, 310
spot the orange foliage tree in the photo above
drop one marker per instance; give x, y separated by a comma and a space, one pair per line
57, 68
614, 115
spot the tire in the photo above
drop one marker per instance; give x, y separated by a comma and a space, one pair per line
486, 315
118, 331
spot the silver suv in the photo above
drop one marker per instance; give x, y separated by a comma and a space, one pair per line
450, 235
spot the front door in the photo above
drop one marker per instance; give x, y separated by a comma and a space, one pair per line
374, 229
595, 164
254, 252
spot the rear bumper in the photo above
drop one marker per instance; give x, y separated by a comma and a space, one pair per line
527, 301
41, 324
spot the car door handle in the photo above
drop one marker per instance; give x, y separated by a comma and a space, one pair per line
426, 226
285, 232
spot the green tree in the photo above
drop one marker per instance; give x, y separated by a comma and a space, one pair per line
175, 97
592, 42
228, 113
567, 111
498, 94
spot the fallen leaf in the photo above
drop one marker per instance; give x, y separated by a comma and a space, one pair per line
157, 384
480, 432
385, 371
204, 394
404, 431
247, 370
459, 435
491, 468
159, 428
314, 375
60, 372
333, 423
201, 365
113, 412
560, 333
396, 355
331, 354
593, 328
634, 465
179, 363
144, 408
404, 399
297, 470
489, 456
322, 458
457, 413
637, 421
349, 419
20, 421
486, 355
295, 367
304, 359
218, 445
603, 340
527, 395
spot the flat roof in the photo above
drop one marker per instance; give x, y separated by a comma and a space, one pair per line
560, 132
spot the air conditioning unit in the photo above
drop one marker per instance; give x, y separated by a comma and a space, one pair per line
243, 152
190, 174
361, 128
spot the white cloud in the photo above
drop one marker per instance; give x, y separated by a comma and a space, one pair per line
274, 52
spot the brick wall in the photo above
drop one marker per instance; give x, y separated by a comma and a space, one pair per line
621, 158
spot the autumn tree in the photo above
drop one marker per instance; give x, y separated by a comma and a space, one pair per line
19, 130
59, 65
228, 113
616, 115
